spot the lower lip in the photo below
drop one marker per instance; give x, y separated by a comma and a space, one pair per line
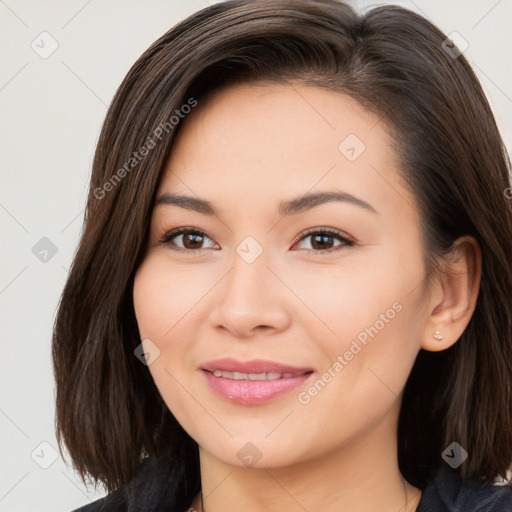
252, 392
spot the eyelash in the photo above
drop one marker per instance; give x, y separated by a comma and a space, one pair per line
347, 242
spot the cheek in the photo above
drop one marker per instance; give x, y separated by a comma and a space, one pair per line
360, 300
367, 361
167, 301
147, 297
159, 302
162, 295
371, 330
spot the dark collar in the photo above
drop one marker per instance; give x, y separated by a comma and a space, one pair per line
447, 493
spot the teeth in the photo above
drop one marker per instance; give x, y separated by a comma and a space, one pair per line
252, 376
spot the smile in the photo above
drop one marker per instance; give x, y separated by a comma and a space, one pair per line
254, 376
253, 388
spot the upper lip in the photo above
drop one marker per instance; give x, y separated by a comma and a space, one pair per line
252, 366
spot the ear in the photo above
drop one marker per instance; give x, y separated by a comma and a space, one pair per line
453, 295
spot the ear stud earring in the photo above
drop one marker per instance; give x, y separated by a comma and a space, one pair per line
438, 336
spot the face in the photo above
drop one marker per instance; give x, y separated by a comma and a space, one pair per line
327, 293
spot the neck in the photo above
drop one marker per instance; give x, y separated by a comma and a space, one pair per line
360, 476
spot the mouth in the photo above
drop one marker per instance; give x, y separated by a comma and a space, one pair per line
253, 382
253, 367
255, 376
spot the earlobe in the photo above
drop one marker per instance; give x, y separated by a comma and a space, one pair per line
438, 336
453, 296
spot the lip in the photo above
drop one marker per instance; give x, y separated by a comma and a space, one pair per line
253, 366
253, 392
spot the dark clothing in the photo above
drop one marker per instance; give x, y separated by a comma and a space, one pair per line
447, 494
152, 491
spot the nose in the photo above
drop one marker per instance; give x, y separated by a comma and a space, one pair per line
250, 299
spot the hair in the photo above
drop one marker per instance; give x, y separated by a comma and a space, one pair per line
109, 413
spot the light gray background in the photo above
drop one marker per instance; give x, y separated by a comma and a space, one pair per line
51, 111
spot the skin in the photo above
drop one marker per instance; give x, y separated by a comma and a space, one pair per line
247, 149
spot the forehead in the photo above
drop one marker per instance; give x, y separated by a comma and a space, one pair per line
282, 140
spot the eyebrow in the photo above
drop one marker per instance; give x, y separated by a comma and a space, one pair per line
291, 207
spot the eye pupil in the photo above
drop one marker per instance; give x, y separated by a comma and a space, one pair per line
196, 240
323, 245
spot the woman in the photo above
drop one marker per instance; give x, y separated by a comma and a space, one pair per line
292, 290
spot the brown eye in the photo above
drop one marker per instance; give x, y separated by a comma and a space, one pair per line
322, 240
184, 239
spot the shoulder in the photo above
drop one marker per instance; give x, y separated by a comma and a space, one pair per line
113, 502
447, 493
157, 486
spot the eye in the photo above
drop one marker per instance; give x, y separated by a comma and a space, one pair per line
189, 239
321, 240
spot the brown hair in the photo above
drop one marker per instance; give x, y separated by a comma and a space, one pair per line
109, 412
